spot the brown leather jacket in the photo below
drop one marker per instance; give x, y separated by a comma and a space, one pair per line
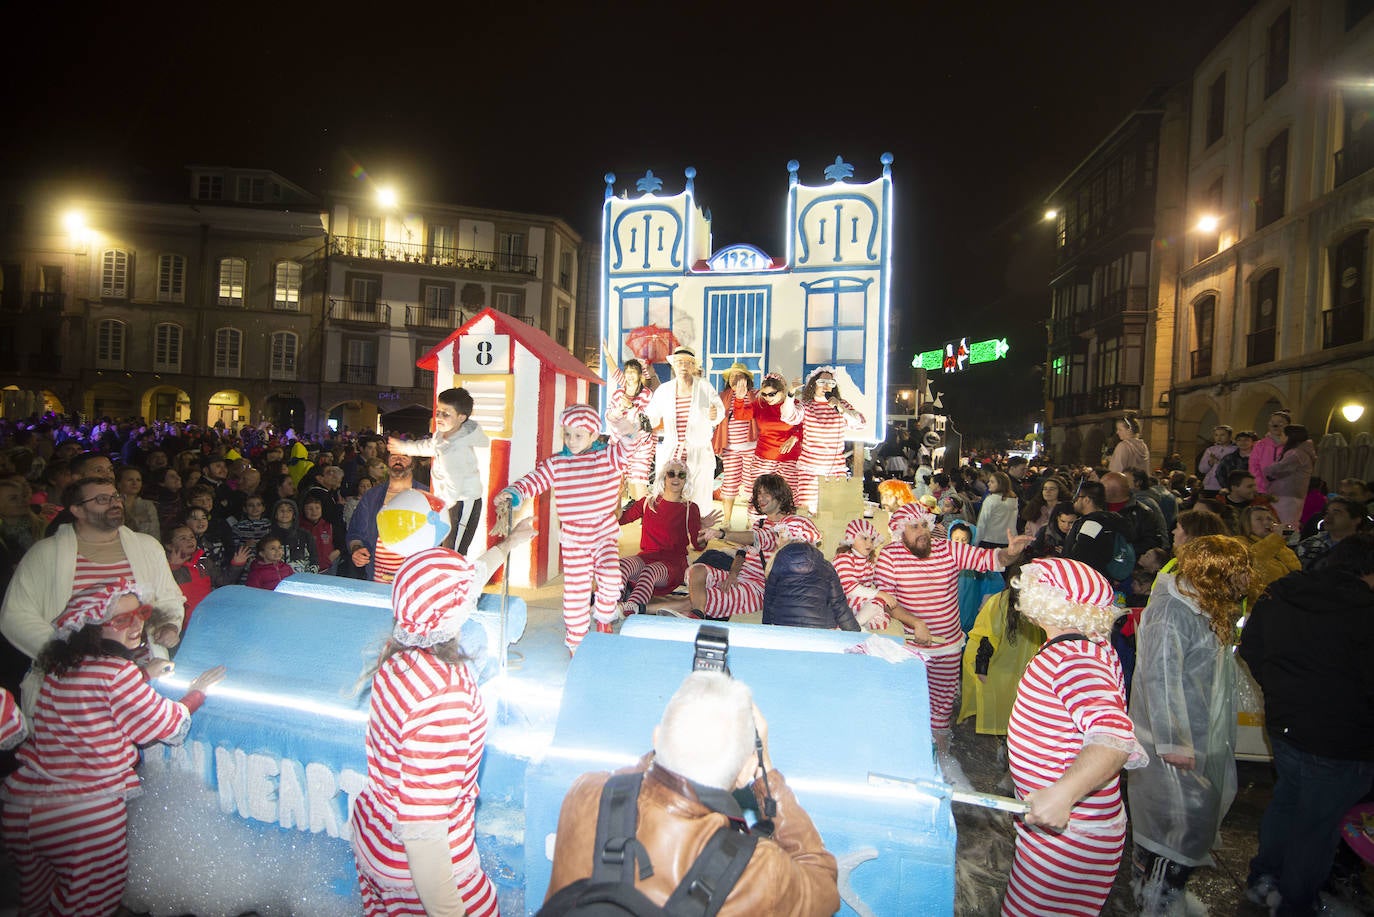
790, 874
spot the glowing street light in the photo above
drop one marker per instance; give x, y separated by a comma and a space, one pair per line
1051, 214
386, 197
1352, 411
75, 221
1208, 223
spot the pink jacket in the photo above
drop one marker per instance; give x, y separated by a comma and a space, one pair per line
1291, 474
263, 575
1264, 454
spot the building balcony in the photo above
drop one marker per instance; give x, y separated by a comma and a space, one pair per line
43, 363
424, 379
447, 318
1343, 325
47, 302
466, 259
1268, 209
1067, 407
1356, 159
1260, 346
1201, 360
358, 373
1117, 398
361, 311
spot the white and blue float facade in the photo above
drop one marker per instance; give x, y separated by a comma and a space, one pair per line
825, 301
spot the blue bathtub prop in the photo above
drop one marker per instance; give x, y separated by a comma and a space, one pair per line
280, 741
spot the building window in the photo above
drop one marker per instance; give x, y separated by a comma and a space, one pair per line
287, 286
109, 344
834, 333
644, 304
283, 365
1128, 167
1204, 329
171, 278
1264, 310
228, 352
210, 188
441, 244
114, 274
508, 302
1356, 155
1276, 55
167, 348
510, 251
1216, 110
251, 190
1275, 180
564, 323
1343, 323
565, 269
368, 228
360, 365
438, 303
233, 275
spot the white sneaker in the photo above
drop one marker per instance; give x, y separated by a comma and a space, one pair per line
1264, 892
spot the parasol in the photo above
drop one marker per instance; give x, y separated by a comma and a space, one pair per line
651, 343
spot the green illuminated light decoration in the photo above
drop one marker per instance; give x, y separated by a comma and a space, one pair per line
957, 355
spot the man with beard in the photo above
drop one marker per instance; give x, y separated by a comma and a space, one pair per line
93, 550
921, 572
364, 546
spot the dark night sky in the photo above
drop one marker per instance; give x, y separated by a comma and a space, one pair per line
986, 107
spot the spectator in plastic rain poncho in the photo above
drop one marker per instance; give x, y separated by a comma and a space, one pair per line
1068, 737
413, 824
1184, 709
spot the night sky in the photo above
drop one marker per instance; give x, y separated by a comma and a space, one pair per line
986, 107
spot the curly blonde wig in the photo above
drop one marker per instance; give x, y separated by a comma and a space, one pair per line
1214, 571
1046, 605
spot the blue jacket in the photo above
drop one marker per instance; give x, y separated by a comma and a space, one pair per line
803, 590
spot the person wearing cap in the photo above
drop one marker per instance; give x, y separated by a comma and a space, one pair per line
64, 821
689, 410
714, 592
629, 396
855, 563
921, 573
825, 418
585, 479
735, 439
1068, 739
413, 824
95, 549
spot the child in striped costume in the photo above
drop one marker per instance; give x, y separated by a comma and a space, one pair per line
717, 593
630, 393
921, 572
585, 480
854, 564
1067, 740
825, 417
65, 822
413, 825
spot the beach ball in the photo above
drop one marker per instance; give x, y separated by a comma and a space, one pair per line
412, 522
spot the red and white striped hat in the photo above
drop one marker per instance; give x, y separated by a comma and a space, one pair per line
581, 417
434, 592
910, 514
798, 528
93, 606
1076, 581
859, 528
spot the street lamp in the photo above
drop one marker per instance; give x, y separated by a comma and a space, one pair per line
386, 197
1051, 214
1208, 223
1352, 411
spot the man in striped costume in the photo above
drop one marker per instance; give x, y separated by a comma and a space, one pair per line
1067, 740
585, 480
921, 572
94, 550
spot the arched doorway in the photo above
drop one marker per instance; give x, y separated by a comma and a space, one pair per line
166, 402
230, 407
110, 399
353, 416
23, 402
284, 412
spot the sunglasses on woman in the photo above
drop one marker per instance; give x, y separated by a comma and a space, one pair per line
124, 620
675, 474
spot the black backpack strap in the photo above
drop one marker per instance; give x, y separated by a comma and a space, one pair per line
1062, 638
617, 849
703, 890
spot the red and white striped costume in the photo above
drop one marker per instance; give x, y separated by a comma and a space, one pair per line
639, 458
586, 492
747, 595
822, 449
91, 575
426, 731
669, 528
64, 819
1070, 695
928, 588
739, 442
857, 575
12, 726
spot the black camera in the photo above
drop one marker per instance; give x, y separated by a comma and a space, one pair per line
711, 649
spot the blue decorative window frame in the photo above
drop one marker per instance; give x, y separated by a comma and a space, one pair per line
823, 322
738, 328
643, 300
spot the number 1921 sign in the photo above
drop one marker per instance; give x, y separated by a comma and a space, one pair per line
483, 353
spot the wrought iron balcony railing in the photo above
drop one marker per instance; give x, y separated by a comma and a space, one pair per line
1260, 346
447, 317
469, 259
363, 311
1201, 362
47, 302
1343, 325
1356, 159
358, 373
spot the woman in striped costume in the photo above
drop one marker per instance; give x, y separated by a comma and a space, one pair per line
780, 433
736, 439
825, 417
1067, 740
630, 393
413, 824
65, 822
670, 524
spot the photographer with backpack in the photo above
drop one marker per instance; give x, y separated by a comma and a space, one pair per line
650, 839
